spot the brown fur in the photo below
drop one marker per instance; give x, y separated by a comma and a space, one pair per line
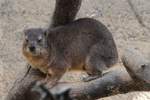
37, 60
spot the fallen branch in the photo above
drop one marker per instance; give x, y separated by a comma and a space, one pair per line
107, 85
115, 81
23, 84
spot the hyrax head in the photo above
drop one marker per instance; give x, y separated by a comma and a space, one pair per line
35, 41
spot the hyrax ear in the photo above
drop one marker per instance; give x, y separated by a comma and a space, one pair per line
25, 31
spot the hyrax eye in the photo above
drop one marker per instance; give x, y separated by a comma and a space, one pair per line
26, 40
143, 66
39, 40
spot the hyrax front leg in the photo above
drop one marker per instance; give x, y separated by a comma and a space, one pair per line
54, 76
55, 72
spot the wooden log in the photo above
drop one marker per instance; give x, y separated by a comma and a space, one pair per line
23, 84
107, 85
115, 81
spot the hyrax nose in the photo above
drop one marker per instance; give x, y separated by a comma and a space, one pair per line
32, 48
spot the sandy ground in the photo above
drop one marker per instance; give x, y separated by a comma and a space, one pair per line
15, 15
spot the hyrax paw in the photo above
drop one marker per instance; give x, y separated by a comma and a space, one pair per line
90, 78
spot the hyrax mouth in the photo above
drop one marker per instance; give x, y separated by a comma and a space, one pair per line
32, 51
38, 52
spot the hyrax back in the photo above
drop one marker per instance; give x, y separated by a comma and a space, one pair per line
85, 43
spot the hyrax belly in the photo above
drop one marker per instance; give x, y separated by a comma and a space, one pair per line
78, 67
77, 62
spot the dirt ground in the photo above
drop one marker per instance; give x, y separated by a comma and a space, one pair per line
117, 15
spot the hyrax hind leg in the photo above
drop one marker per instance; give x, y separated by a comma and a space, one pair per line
97, 61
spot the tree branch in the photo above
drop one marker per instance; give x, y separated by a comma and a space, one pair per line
115, 81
